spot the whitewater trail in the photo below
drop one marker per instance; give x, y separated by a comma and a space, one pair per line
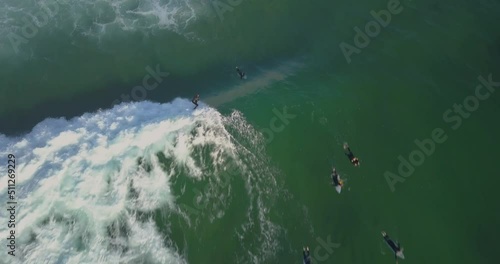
87, 187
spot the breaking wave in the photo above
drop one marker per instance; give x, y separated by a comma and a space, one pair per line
91, 189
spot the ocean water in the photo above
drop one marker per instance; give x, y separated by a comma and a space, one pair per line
113, 165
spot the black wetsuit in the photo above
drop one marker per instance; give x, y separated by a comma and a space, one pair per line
335, 179
393, 245
307, 258
195, 101
349, 154
242, 74
351, 157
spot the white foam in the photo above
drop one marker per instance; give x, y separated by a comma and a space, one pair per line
77, 180
134, 15
94, 19
262, 189
80, 182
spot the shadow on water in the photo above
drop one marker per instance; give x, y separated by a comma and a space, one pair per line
212, 85
22, 121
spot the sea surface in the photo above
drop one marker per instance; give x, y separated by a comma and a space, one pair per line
113, 165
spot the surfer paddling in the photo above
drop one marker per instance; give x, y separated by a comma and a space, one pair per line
354, 160
398, 251
306, 255
195, 100
240, 73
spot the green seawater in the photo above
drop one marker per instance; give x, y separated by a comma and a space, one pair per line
394, 91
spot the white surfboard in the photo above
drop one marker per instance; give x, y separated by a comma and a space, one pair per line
400, 255
338, 188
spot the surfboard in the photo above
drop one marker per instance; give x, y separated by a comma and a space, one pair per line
338, 188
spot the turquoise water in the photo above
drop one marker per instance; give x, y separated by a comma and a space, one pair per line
245, 177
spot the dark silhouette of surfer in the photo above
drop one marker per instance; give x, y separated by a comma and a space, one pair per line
242, 74
306, 255
354, 160
195, 100
398, 251
336, 181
